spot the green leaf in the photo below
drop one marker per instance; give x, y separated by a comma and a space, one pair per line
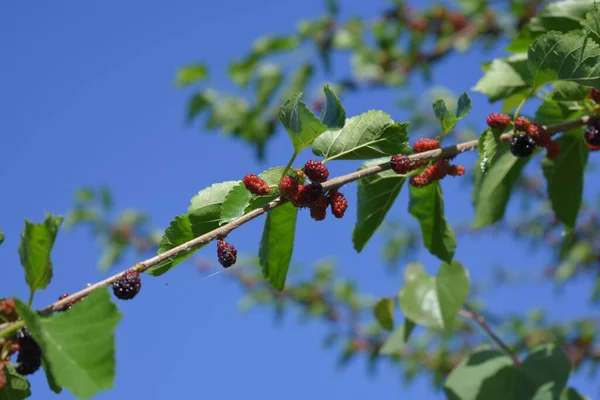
191, 74
333, 115
178, 232
208, 201
463, 107
300, 123
52, 384
565, 177
485, 374
1, 237
427, 206
543, 374
487, 148
277, 244
396, 341
569, 91
269, 44
240, 201
592, 23
298, 81
376, 195
563, 16
241, 71
269, 79
435, 301
572, 394
577, 254
552, 112
570, 57
384, 313
445, 117
79, 345
35, 247
504, 77
197, 103
16, 386
491, 195
369, 135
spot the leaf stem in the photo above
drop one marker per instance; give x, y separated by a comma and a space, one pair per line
289, 164
12, 328
519, 107
471, 314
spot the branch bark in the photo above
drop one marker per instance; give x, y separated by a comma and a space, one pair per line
449, 151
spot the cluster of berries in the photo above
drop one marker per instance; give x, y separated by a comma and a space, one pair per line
401, 164
528, 134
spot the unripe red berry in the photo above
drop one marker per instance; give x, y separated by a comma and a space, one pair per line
456, 170
458, 21
316, 171
425, 144
226, 253
540, 136
288, 187
300, 200
256, 185
318, 210
593, 148
522, 123
338, 202
498, 121
400, 164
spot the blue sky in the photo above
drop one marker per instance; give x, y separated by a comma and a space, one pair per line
88, 99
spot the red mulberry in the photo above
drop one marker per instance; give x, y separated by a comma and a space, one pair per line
498, 121
288, 187
316, 171
226, 253
256, 185
338, 202
425, 144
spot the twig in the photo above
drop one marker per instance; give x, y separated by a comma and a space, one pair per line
471, 314
449, 151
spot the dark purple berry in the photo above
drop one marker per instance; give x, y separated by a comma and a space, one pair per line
522, 145
226, 253
128, 285
592, 134
30, 354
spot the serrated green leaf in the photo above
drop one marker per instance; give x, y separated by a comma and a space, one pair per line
446, 118
79, 345
208, 201
565, 177
52, 384
484, 374
178, 232
551, 112
592, 23
16, 387
268, 80
240, 201
543, 374
298, 81
487, 148
369, 135
396, 341
277, 244
376, 195
569, 91
191, 74
333, 115
435, 301
571, 57
384, 313
427, 206
492, 193
463, 107
300, 123
504, 77
35, 247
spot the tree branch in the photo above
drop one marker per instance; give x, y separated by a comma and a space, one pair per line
446, 152
471, 314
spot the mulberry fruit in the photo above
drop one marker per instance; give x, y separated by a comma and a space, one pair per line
592, 134
128, 285
522, 146
431, 174
540, 136
316, 171
226, 253
456, 170
400, 164
594, 95
552, 150
300, 200
338, 202
313, 192
288, 187
7, 309
522, 123
425, 144
29, 358
593, 148
498, 121
256, 185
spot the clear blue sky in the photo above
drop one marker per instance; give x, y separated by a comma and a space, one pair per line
87, 98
